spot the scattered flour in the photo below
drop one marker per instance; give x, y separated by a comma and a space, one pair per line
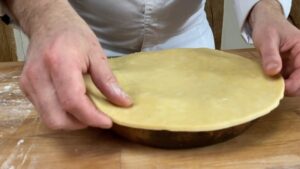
7, 87
16, 77
13, 102
8, 163
20, 142
15, 108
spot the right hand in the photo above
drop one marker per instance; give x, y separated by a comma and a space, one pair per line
52, 77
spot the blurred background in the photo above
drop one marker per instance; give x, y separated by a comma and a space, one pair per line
220, 13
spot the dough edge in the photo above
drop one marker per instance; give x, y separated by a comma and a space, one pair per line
200, 127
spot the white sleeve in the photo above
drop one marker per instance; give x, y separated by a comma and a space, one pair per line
243, 7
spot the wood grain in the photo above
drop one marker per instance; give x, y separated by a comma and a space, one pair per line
7, 44
295, 13
271, 143
214, 11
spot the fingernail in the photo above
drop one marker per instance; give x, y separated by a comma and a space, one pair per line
120, 92
272, 66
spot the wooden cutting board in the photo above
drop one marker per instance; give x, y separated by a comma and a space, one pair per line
272, 143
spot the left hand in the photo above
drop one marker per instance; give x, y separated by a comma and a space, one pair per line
278, 42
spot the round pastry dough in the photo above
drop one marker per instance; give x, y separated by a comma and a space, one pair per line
189, 90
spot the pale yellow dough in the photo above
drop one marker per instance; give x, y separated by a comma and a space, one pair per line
189, 90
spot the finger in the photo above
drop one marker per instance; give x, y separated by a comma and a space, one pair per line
292, 84
69, 84
104, 79
287, 65
25, 87
293, 81
46, 102
269, 50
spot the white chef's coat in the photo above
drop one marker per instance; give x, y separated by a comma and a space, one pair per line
126, 26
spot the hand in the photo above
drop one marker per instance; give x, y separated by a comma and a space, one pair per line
278, 42
52, 78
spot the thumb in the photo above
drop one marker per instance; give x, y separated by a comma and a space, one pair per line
269, 51
106, 82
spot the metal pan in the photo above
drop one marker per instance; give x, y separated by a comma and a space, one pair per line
179, 140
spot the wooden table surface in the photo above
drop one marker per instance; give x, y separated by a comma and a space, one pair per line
272, 143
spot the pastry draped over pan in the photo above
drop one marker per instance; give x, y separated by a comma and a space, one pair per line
189, 90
